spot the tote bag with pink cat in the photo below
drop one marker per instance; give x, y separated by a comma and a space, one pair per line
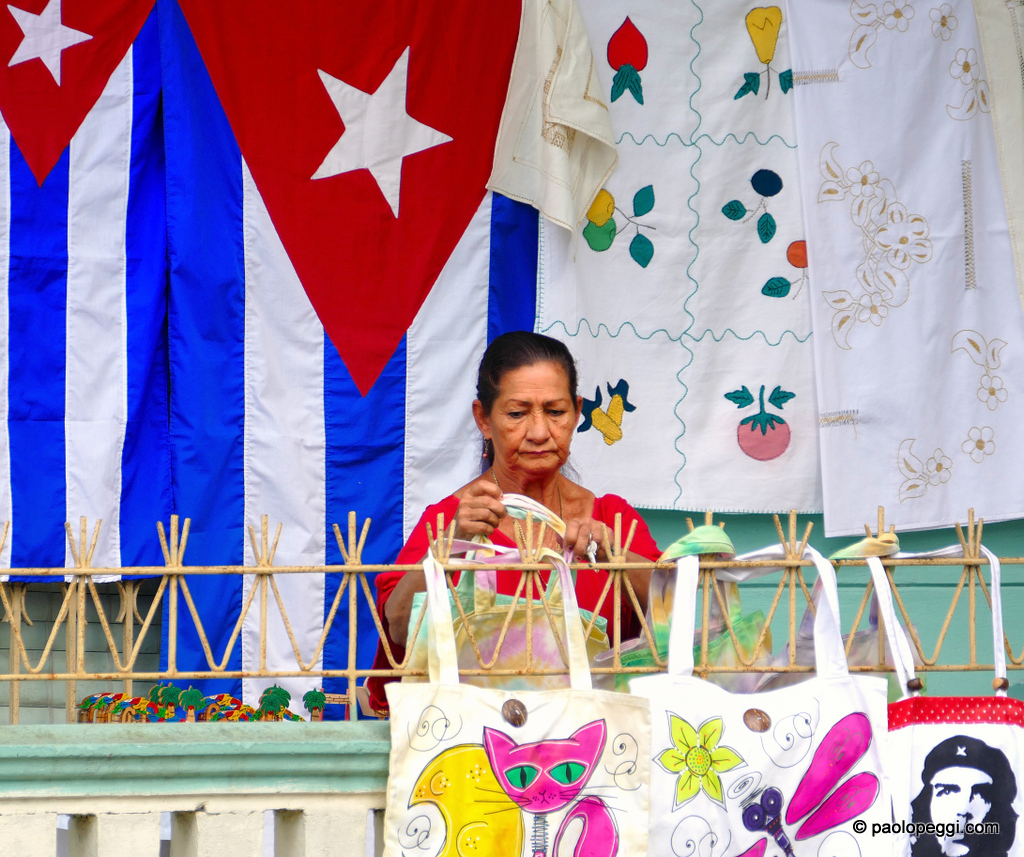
957, 760
793, 771
477, 771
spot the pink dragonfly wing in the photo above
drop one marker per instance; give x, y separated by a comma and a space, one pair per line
848, 801
841, 749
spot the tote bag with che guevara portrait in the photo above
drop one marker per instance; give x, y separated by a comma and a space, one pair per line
957, 760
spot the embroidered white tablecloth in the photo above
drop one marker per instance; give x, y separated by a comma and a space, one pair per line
918, 326
684, 295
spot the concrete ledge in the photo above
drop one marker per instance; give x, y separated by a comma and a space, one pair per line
71, 760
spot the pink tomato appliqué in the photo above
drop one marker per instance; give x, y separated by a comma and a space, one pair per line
763, 436
764, 447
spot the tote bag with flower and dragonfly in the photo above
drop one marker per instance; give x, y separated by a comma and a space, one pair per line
481, 771
784, 772
959, 758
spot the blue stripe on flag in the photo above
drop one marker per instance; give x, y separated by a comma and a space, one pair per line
365, 439
145, 460
512, 298
37, 300
206, 337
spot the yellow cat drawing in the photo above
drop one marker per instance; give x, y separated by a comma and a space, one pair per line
481, 819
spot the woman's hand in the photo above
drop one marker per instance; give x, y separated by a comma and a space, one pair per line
480, 509
578, 535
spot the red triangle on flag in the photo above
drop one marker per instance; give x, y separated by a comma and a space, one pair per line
56, 57
275, 66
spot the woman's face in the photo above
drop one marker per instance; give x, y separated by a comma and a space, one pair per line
532, 421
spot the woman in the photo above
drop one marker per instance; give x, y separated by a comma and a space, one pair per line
527, 411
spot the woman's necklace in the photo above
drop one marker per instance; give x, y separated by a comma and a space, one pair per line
515, 523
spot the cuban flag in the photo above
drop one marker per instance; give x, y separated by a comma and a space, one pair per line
335, 272
83, 361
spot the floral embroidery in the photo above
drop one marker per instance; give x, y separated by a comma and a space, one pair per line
897, 15
872, 309
967, 69
893, 240
918, 476
939, 468
697, 759
980, 443
943, 22
992, 391
985, 354
894, 16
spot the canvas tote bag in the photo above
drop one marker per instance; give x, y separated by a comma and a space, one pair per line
486, 611
960, 759
476, 771
786, 771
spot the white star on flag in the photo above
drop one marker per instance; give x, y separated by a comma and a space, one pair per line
378, 133
46, 38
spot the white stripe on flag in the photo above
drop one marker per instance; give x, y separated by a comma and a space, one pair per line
444, 346
5, 238
96, 396
285, 469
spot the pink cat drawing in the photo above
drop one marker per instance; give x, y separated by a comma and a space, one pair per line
547, 776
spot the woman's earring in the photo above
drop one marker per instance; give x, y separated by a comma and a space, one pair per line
488, 452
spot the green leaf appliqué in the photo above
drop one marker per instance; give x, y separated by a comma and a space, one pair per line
779, 397
786, 80
734, 209
776, 287
625, 78
766, 228
643, 201
642, 250
741, 398
750, 87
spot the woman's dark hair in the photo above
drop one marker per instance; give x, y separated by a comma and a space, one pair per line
512, 351
967, 752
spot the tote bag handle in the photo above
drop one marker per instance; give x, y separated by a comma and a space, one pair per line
442, 655
829, 652
903, 655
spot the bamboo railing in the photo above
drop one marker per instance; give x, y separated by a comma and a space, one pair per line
173, 598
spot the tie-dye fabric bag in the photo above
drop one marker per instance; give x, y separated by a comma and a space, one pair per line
476, 771
958, 758
788, 771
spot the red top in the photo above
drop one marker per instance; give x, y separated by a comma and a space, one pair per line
589, 582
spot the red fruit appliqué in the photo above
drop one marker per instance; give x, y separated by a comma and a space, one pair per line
796, 254
627, 45
764, 447
763, 436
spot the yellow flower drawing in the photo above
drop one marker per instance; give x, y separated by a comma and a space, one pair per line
904, 237
992, 391
893, 239
980, 442
897, 15
965, 66
943, 22
940, 468
698, 759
